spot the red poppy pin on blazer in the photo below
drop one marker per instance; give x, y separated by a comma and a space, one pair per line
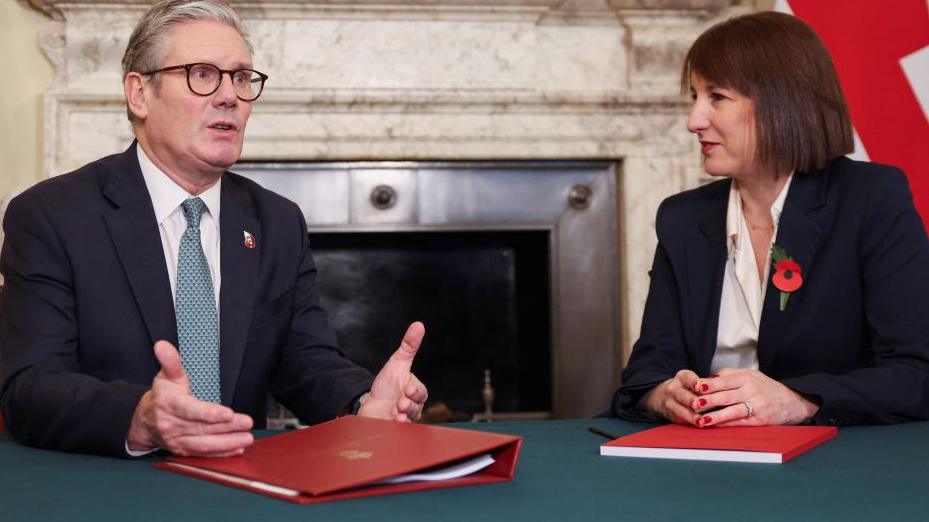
788, 276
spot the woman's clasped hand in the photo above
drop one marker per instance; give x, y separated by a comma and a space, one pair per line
732, 397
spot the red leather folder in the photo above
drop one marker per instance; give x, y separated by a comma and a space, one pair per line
345, 457
767, 444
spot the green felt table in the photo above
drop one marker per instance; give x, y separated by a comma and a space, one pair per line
866, 473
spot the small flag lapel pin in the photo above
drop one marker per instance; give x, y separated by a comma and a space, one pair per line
249, 239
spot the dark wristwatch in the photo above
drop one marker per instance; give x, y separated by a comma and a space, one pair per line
356, 404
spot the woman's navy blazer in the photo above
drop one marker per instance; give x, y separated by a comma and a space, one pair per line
854, 336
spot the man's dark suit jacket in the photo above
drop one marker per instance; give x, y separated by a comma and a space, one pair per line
854, 336
87, 295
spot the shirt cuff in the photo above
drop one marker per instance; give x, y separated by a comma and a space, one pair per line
136, 454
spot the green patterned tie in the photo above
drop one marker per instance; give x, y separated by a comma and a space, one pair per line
195, 308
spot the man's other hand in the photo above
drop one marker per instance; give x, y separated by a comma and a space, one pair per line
396, 393
169, 417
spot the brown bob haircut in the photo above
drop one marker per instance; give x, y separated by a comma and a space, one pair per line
779, 62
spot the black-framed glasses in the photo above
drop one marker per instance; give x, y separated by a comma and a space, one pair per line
204, 79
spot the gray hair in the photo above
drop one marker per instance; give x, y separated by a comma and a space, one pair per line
150, 40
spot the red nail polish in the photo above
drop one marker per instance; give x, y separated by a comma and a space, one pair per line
702, 402
707, 420
705, 387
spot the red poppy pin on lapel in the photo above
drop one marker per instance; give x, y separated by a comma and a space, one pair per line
249, 240
788, 276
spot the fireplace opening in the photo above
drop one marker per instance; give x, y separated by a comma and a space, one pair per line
525, 243
483, 296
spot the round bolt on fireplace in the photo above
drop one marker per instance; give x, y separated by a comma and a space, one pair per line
383, 197
580, 196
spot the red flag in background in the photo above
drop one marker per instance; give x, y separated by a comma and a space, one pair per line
881, 52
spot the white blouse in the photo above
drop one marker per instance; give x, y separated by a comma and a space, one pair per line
743, 294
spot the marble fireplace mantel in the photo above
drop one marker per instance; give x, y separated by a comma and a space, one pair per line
429, 80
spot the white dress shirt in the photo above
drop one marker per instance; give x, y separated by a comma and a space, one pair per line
167, 197
743, 292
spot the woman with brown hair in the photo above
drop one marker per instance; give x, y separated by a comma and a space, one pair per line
796, 289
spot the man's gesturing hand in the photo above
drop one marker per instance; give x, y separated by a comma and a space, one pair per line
169, 417
396, 393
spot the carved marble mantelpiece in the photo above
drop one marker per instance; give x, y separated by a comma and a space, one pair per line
428, 80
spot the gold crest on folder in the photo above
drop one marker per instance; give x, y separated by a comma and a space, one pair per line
355, 454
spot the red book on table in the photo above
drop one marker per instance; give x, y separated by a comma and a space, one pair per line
348, 458
768, 444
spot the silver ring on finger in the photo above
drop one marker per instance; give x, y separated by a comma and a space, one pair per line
749, 408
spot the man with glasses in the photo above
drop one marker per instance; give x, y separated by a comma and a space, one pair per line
152, 298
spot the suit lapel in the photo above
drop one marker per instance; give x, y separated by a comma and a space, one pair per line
706, 262
239, 268
800, 232
134, 232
